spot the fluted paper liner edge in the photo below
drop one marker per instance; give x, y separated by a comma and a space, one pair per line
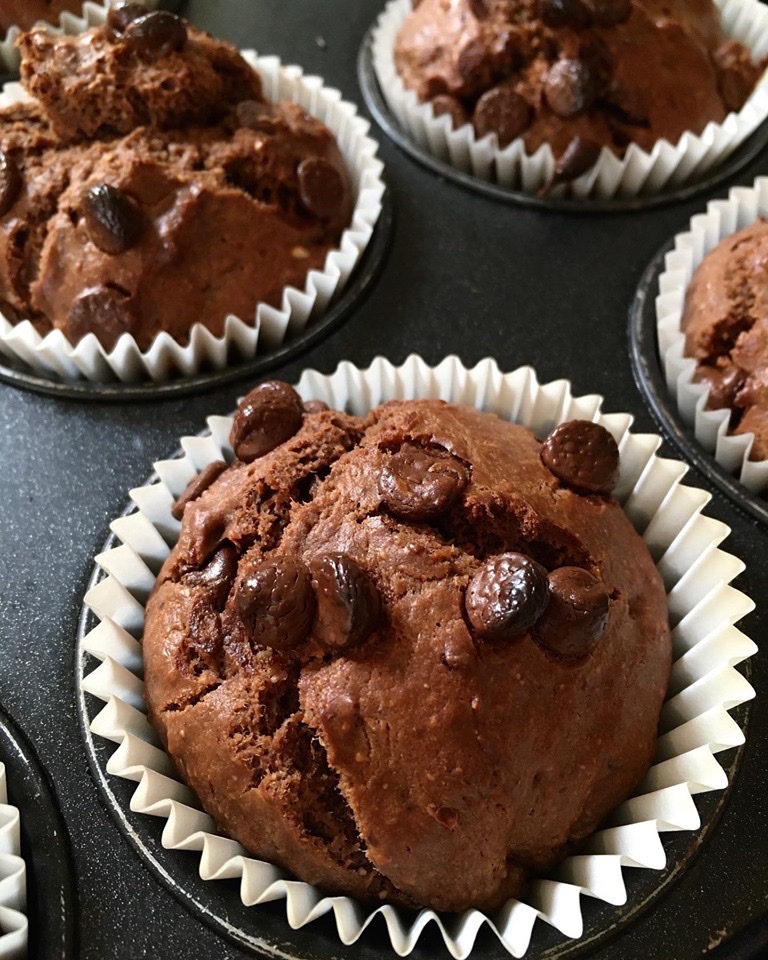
695, 724
87, 359
639, 172
13, 880
710, 427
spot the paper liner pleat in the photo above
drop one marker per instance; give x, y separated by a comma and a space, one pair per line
710, 427
695, 723
13, 880
639, 172
270, 326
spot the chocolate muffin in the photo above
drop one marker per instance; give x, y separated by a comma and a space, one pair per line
578, 75
415, 657
725, 320
149, 186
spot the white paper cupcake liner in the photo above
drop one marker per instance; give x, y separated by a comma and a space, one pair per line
710, 427
13, 881
87, 359
639, 173
695, 723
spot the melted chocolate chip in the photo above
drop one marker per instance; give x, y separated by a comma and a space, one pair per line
10, 183
217, 576
580, 155
503, 112
196, 486
122, 14
444, 104
564, 13
418, 484
315, 406
255, 115
506, 596
112, 219
583, 455
570, 87
446, 816
158, 32
103, 311
475, 65
576, 615
276, 603
321, 187
348, 604
270, 414
609, 13
724, 384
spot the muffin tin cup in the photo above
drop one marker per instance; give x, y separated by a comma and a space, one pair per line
638, 174
710, 427
694, 726
271, 327
14, 926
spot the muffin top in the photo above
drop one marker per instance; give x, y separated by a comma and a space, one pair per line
413, 657
149, 186
603, 73
725, 320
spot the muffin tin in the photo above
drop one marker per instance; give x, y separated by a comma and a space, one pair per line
465, 274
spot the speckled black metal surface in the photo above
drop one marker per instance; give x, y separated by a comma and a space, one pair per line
465, 274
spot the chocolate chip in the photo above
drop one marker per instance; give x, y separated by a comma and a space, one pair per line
503, 112
609, 13
217, 576
321, 187
122, 14
315, 406
564, 13
112, 219
276, 603
576, 615
418, 484
197, 486
158, 32
724, 384
255, 115
506, 596
270, 414
583, 455
348, 604
103, 311
446, 816
475, 66
580, 155
10, 183
446, 105
570, 87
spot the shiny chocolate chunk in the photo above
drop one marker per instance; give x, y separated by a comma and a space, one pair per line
724, 384
196, 486
122, 14
570, 87
217, 576
276, 603
268, 416
112, 219
565, 13
609, 13
475, 65
315, 406
348, 603
446, 105
418, 484
576, 615
255, 115
580, 155
583, 455
501, 111
321, 187
157, 33
506, 596
446, 816
10, 183
103, 311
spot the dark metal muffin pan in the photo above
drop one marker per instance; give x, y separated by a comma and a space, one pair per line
465, 274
